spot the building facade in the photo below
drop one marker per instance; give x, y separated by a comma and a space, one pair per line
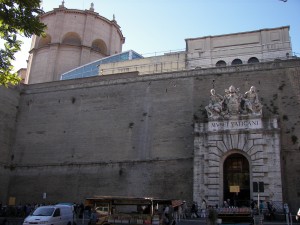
214, 51
207, 123
151, 136
205, 52
73, 38
240, 48
236, 150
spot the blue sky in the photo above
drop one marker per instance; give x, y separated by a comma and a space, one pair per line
156, 26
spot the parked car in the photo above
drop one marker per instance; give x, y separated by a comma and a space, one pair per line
51, 215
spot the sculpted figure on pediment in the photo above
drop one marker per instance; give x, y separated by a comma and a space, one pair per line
232, 100
252, 104
214, 108
233, 103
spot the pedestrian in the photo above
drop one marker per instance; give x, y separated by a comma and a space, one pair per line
176, 213
261, 206
180, 213
165, 219
184, 210
81, 210
194, 210
93, 218
228, 202
225, 204
166, 215
252, 204
271, 211
203, 208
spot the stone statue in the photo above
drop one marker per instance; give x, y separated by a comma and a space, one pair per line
214, 108
251, 102
92, 6
232, 101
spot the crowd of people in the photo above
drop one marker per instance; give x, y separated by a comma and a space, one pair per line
263, 207
20, 210
173, 215
23, 210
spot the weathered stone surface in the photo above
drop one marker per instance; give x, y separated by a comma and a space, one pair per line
255, 136
9, 105
259, 142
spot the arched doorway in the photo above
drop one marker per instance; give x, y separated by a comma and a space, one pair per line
236, 176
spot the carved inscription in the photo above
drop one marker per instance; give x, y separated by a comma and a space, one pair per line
234, 124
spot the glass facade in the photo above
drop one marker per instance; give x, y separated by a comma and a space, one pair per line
92, 69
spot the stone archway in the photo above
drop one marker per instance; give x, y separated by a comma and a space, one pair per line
236, 180
255, 139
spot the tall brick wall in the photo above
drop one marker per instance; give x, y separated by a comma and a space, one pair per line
134, 135
105, 138
9, 100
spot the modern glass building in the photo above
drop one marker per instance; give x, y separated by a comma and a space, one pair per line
92, 69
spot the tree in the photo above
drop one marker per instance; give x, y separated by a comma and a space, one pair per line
17, 17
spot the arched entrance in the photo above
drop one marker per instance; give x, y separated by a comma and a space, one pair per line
236, 177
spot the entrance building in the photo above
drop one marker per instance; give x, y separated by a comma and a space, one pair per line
236, 175
236, 152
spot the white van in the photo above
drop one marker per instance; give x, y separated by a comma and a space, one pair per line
51, 215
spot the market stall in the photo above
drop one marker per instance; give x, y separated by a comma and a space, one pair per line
129, 210
232, 214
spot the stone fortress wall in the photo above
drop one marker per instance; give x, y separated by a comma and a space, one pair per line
9, 106
127, 135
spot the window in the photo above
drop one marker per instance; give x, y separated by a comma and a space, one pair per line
253, 60
220, 63
236, 62
44, 41
99, 46
71, 38
56, 212
43, 211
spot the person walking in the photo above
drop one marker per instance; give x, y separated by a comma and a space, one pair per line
184, 210
194, 210
203, 208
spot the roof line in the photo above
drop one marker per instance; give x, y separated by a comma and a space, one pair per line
100, 61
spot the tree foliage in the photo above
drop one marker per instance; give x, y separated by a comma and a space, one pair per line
17, 17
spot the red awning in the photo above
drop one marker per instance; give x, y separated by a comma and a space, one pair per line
176, 203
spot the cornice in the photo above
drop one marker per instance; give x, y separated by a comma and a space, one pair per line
240, 33
133, 77
85, 13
